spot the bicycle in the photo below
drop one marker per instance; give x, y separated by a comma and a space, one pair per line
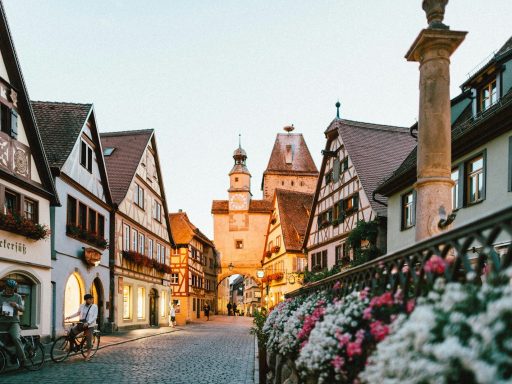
34, 353
61, 347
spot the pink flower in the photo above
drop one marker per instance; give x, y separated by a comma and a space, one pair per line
338, 362
410, 306
343, 339
435, 265
385, 299
364, 293
337, 286
367, 313
379, 330
354, 349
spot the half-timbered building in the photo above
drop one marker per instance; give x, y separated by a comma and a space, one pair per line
194, 265
26, 193
357, 156
140, 231
80, 226
283, 260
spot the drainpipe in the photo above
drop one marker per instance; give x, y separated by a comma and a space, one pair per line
432, 49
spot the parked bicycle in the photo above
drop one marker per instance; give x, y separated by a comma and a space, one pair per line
34, 352
61, 347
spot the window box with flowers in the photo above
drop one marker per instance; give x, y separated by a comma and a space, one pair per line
145, 261
268, 254
276, 249
20, 225
92, 238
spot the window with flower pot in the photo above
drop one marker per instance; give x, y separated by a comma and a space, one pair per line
85, 223
86, 155
319, 260
138, 196
127, 302
324, 219
341, 254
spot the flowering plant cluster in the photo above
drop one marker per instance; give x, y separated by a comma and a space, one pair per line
458, 333
22, 226
298, 326
85, 235
274, 325
273, 276
146, 261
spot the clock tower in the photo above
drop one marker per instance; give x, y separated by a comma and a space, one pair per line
239, 183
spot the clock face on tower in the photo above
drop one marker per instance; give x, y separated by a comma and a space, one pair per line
238, 202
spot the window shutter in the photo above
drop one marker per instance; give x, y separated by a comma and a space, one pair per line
484, 173
356, 202
336, 170
413, 208
14, 124
83, 153
324, 259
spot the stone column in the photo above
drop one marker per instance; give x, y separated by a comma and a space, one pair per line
432, 49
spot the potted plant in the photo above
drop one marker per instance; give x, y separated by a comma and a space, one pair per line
276, 248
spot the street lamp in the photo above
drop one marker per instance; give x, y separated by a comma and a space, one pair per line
260, 273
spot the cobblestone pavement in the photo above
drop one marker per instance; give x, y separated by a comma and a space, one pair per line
219, 351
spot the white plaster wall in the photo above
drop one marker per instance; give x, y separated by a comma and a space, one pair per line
497, 195
38, 253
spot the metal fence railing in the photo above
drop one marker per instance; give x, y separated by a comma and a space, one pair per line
464, 253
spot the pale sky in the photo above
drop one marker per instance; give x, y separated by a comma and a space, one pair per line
201, 72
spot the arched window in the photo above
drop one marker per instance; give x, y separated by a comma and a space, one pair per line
27, 290
72, 295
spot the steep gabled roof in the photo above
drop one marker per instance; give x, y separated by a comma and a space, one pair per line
183, 231
25, 111
375, 151
302, 163
467, 133
59, 125
294, 211
122, 163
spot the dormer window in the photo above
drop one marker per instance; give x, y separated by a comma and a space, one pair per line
108, 151
488, 95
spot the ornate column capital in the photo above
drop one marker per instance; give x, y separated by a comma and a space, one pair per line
432, 43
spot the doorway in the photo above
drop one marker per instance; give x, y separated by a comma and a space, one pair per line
97, 294
153, 307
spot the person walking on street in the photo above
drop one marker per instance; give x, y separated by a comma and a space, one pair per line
172, 316
206, 310
88, 312
229, 308
11, 304
234, 309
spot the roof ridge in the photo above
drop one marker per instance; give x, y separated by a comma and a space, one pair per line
58, 102
128, 132
278, 190
382, 127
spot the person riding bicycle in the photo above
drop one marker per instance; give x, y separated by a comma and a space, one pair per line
11, 304
88, 314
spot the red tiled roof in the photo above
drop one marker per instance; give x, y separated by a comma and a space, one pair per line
183, 231
302, 162
255, 206
122, 163
294, 210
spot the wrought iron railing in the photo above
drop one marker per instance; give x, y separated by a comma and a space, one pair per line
466, 253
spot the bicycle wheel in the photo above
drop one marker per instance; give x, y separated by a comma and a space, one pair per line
60, 349
35, 356
94, 347
3, 360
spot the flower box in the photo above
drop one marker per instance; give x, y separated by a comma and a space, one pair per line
268, 254
276, 249
22, 226
143, 260
84, 235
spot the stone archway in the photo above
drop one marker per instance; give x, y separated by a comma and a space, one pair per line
223, 287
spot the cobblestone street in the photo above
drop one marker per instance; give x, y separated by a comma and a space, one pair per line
219, 351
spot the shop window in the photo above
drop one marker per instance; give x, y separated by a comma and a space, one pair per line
27, 289
127, 302
141, 303
73, 295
